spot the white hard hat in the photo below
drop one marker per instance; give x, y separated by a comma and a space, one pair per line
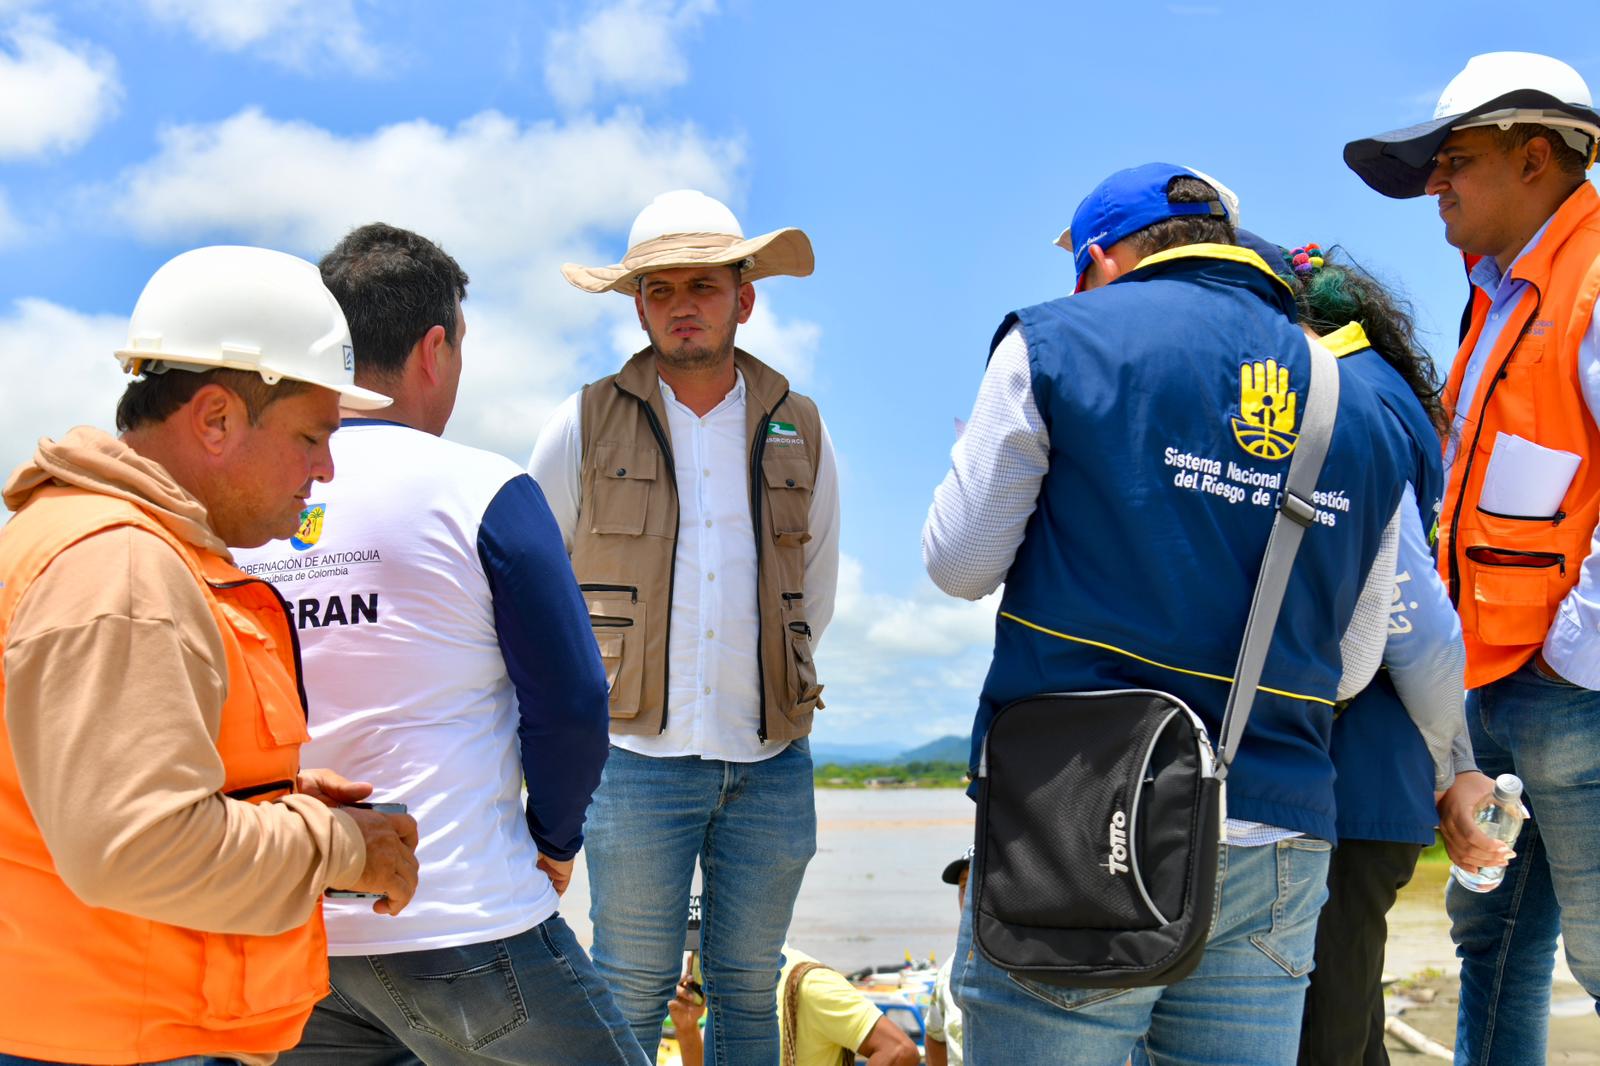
245, 309
1488, 77
686, 228
683, 211
1494, 89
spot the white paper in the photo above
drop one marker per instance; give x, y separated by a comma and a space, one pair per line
1525, 479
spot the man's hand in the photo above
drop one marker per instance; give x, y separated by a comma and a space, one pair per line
391, 869
685, 1009
558, 870
1469, 847
330, 787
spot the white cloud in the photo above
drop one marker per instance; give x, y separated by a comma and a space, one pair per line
60, 372
910, 665
627, 46
491, 188
510, 200
293, 33
53, 94
790, 346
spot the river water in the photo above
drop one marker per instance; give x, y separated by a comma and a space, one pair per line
873, 891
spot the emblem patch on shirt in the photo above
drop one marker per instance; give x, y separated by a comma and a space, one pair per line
783, 433
1264, 426
310, 530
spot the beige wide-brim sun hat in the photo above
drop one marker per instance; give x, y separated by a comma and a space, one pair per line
686, 228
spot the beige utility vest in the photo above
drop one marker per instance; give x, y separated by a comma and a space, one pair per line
625, 543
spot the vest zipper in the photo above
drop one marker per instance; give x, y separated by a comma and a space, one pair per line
758, 488
1477, 434
253, 791
672, 570
1489, 555
1555, 519
631, 590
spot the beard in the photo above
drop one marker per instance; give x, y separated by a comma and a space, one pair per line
692, 356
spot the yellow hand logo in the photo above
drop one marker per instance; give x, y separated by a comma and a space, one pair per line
1264, 396
1265, 426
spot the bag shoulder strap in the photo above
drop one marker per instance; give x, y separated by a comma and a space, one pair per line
791, 1019
1295, 512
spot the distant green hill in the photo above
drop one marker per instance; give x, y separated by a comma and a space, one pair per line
945, 749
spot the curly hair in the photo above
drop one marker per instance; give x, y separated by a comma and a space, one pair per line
1336, 294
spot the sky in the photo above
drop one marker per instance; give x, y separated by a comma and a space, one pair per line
932, 151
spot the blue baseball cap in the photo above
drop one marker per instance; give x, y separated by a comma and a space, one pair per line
1132, 199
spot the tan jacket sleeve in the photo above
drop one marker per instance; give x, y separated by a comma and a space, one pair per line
115, 681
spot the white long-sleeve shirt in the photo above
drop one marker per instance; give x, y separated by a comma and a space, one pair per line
714, 696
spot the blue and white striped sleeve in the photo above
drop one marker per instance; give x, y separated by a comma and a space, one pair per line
1424, 653
980, 511
551, 658
1572, 646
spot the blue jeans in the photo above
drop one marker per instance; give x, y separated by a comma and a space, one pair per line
1240, 1007
530, 998
1548, 733
753, 827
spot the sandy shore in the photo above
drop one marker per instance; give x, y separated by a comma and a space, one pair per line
1420, 951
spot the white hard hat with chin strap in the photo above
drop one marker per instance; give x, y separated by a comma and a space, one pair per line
1496, 89
248, 309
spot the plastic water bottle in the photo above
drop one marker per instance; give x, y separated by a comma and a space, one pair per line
1500, 816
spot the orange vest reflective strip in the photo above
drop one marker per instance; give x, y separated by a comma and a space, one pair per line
1507, 574
91, 985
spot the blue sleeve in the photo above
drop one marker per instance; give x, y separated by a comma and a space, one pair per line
552, 661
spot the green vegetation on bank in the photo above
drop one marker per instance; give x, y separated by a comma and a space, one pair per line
918, 773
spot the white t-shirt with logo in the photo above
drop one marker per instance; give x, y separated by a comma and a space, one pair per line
408, 684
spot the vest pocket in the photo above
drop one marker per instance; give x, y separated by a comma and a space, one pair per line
1515, 592
250, 980
623, 476
804, 693
789, 483
282, 720
803, 680
618, 619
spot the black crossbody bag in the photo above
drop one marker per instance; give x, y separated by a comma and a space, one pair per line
1100, 814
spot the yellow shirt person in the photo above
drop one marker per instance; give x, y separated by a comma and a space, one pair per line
832, 1018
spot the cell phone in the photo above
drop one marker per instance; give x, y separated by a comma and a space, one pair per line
697, 993
381, 808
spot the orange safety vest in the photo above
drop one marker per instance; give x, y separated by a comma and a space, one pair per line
1507, 574
91, 985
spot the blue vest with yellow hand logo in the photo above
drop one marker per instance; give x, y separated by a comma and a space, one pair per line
1172, 399
1384, 787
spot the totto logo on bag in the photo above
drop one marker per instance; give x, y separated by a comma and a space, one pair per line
1117, 858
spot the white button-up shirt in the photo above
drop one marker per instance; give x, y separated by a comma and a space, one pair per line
714, 692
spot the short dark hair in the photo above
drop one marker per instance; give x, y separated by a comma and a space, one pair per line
1568, 159
153, 398
393, 286
1185, 229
